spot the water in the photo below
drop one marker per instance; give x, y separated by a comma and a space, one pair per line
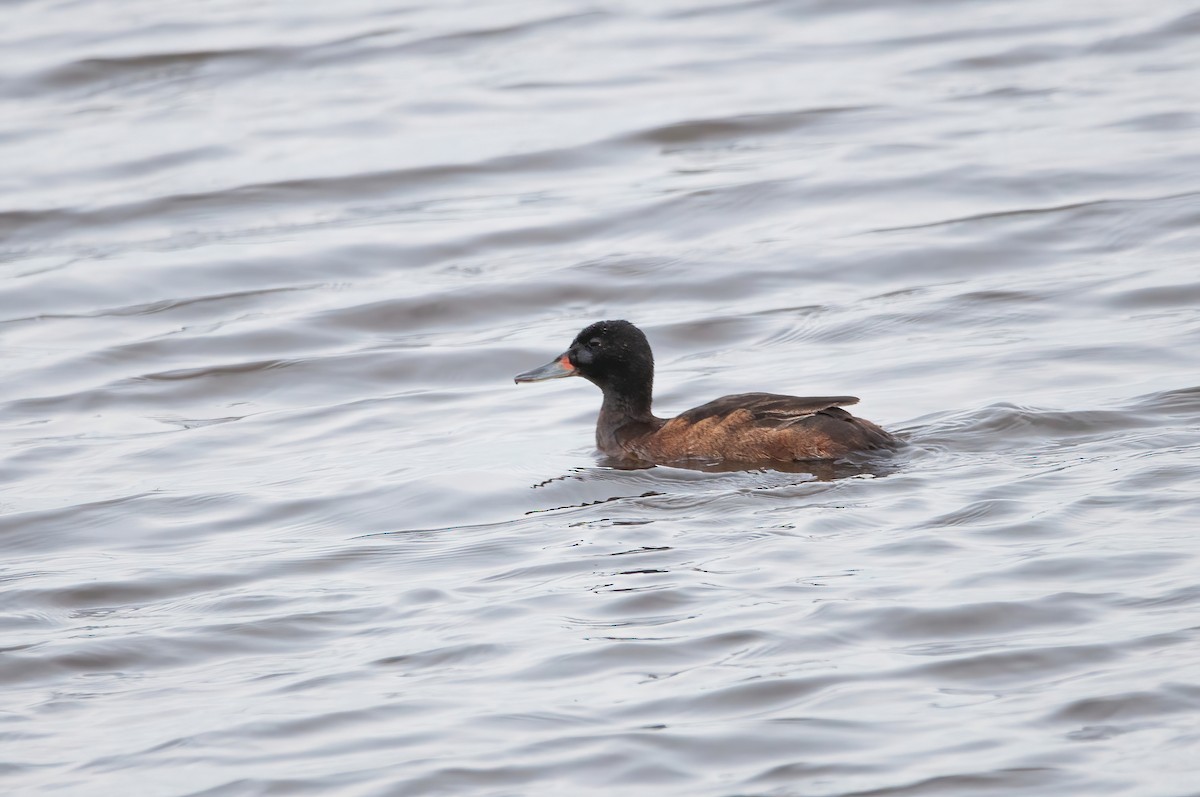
276, 520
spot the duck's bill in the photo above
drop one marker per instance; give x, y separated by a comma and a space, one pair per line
555, 369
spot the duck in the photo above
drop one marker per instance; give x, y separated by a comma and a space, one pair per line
616, 357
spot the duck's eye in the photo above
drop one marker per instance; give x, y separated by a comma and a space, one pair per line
595, 343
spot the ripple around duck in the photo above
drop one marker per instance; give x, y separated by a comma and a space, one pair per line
201, 216
1172, 699
729, 129
111, 73
1007, 425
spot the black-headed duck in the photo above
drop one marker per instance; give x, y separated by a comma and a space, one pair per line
747, 427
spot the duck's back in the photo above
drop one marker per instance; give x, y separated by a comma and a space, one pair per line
751, 427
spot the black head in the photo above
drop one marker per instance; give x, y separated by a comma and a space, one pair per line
613, 355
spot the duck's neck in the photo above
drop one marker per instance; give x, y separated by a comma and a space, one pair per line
624, 415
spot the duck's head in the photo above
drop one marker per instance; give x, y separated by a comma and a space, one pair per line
614, 355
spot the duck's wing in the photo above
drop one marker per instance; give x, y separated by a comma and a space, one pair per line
752, 427
769, 409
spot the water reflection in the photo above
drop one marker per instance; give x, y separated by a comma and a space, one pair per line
874, 464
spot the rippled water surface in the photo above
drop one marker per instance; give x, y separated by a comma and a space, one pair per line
276, 520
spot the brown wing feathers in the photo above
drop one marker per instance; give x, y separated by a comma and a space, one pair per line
765, 406
752, 426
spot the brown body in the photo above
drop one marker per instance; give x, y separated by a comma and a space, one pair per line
748, 427
745, 428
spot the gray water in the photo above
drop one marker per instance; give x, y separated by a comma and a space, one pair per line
275, 519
